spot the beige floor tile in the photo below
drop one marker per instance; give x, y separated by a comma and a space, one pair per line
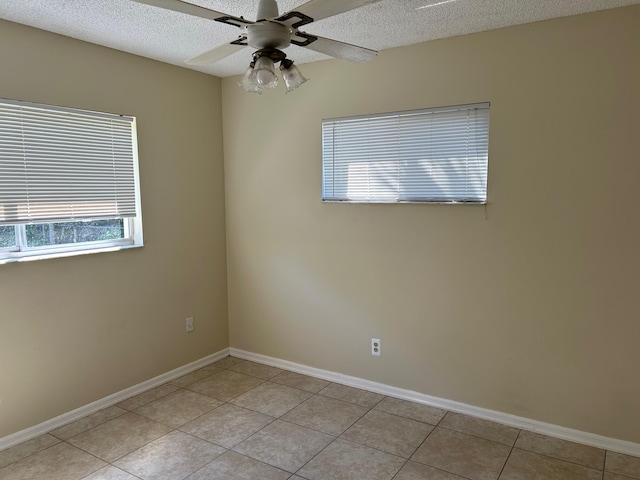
226, 362
225, 385
389, 433
480, 428
302, 382
253, 369
623, 465
284, 445
120, 436
88, 422
178, 408
417, 471
147, 397
613, 476
173, 456
561, 449
414, 411
351, 395
454, 452
193, 377
349, 461
325, 414
523, 465
271, 399
227, 425
110, 473
13, 454
233, 466
61, 461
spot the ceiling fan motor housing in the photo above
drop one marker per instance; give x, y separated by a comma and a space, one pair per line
268, 35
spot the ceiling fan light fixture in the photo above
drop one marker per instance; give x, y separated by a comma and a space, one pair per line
292, 77
249, 81
265, 72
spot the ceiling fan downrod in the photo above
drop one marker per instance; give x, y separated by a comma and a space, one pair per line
267, 9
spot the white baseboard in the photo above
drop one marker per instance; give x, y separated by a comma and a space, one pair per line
65, 418
564, 433
585, 438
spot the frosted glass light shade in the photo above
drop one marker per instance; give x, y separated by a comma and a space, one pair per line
266, 73
292, 77
250, 81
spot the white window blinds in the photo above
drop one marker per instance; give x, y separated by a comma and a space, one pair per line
434, 155
60, 164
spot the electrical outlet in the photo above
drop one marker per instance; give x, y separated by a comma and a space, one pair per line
375, 347
189, 323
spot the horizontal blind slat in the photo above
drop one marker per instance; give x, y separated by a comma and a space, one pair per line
59, 164
429, 155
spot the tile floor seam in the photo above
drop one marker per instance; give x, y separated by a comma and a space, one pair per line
509, 456
27, 456
175, 430
481, 438
347, 401
88, 453
435, 468
355, 443
290, 386
115, 459
81, 449
384, 451
375, 448
557, 459
443, 417
335, 437
304, 380
400, 469
32, 454
619, 475
434, 425
312, 458
411, 459
422, 443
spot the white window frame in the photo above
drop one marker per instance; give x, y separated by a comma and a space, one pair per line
133, 235
434, 155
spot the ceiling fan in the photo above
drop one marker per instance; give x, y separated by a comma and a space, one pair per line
270, 34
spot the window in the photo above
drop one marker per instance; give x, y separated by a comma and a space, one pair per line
68, 182
436, 155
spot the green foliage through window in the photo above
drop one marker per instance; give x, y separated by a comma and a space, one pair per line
44, 234
7, 236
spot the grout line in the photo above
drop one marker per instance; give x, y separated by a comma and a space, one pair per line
558, 459
509, 456
474, 435
275, 418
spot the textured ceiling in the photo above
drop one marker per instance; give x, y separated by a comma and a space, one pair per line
174, 37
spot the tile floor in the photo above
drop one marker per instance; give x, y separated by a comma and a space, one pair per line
239, 420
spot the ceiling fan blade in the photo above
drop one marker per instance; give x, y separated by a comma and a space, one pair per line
216, 54
341, 50
196, 11
315, 10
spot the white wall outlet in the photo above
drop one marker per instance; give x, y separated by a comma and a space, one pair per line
189, 323
375, 347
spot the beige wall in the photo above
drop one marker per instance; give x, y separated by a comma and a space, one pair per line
529, 306
75, 330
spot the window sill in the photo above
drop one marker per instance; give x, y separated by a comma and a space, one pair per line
33, 256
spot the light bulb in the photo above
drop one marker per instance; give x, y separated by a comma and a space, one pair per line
265, 77
265, 72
